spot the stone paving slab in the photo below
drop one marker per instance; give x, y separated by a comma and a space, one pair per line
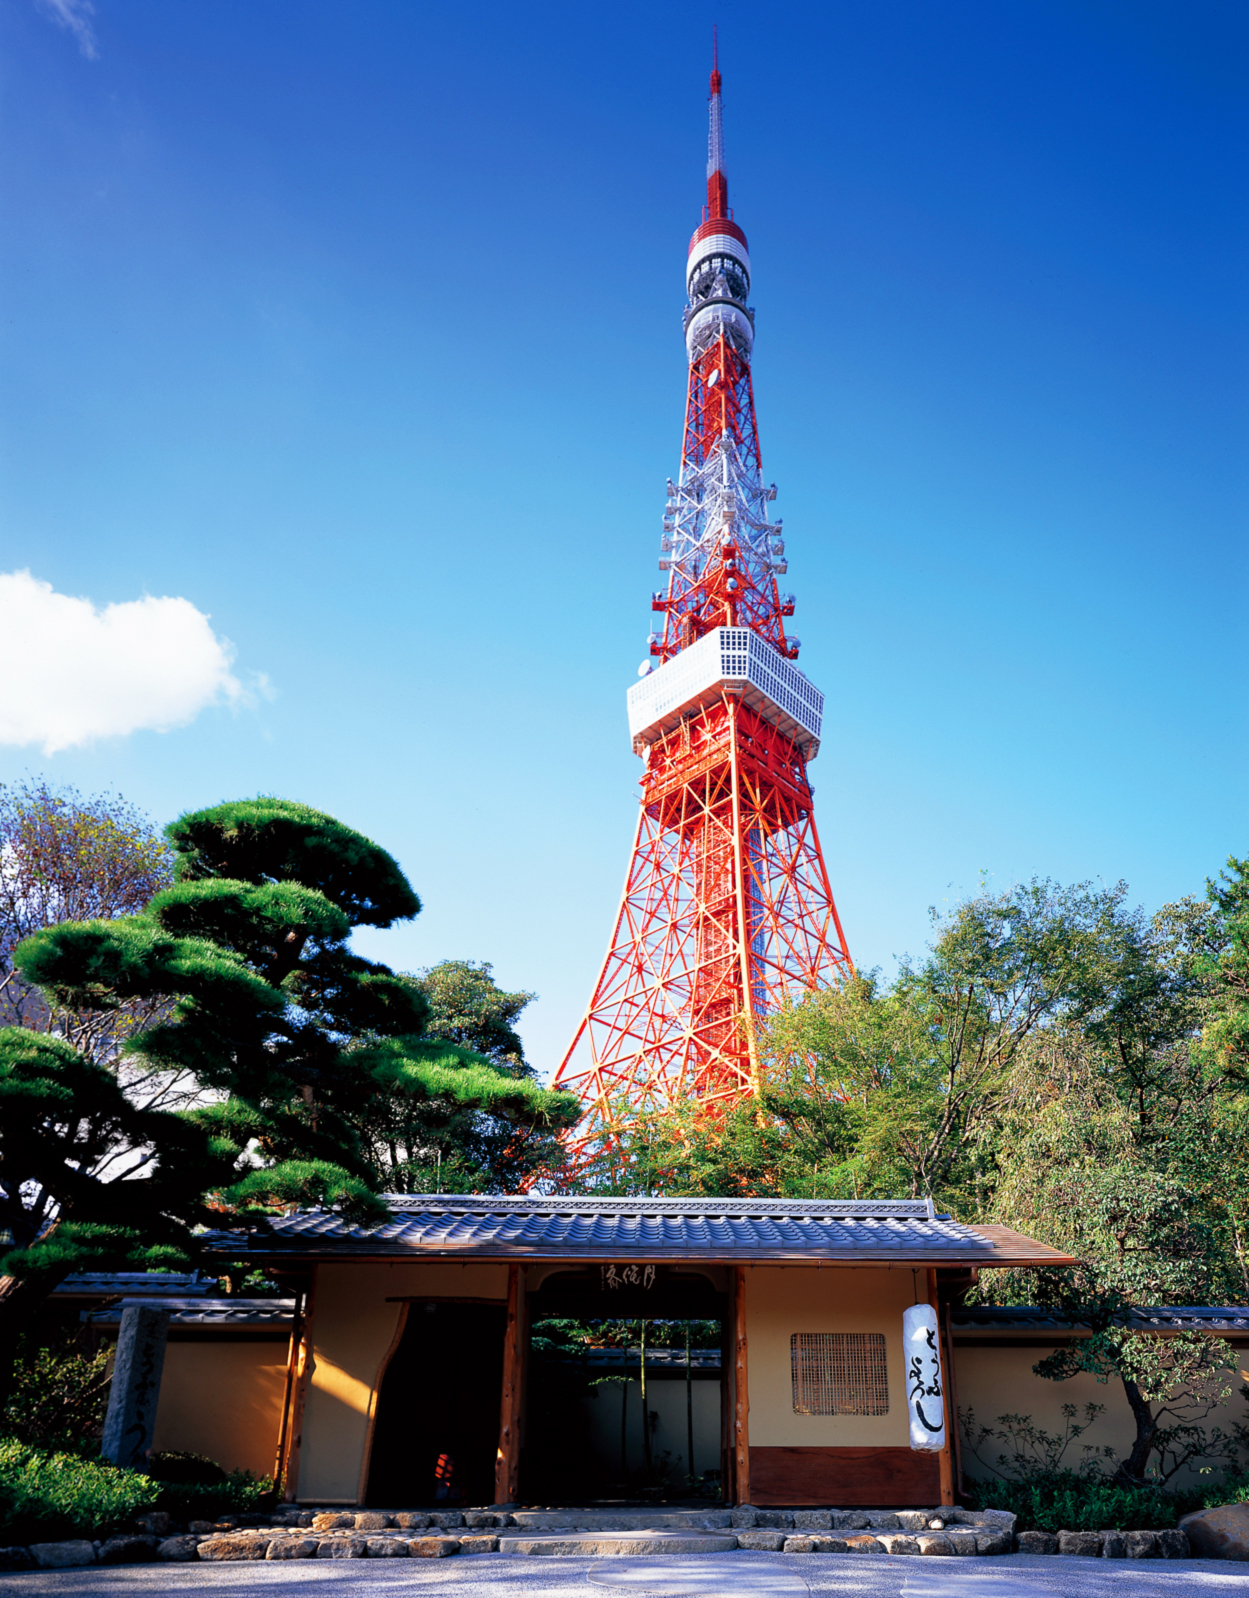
610, 1520
629, 1543
748, 1574
702, 1578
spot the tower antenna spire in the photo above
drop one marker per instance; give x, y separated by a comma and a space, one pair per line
717, 181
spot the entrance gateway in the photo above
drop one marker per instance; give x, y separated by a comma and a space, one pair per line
414, 1374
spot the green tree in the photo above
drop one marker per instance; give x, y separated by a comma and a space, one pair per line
1226, 1037
1127, 1149
286, 1033
66, 1202
469, 1131
880, 1090
467, 1007
66, 857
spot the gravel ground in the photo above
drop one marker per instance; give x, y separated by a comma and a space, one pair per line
736, 1575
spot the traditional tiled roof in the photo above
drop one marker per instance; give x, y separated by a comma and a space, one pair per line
222, 1313
458, 1226
615, 1359
1213, 1318
151, 1284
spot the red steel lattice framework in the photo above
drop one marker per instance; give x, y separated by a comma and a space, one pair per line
727, 909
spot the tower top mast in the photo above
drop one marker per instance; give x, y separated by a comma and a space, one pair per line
717, 179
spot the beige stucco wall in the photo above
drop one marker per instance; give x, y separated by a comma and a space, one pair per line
665, 1397
223, 1400
353, 1328
999, 1381
781, 1300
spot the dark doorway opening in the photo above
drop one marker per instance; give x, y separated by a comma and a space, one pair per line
602, 1423
437, 1427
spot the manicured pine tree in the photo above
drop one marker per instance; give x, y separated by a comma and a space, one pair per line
289, 1036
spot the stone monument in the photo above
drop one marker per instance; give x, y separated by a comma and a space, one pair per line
135, 1393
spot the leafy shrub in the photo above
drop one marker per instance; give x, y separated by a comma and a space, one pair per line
58, 1397
1235, 1490
185, 1470
192, 1487
45, 1496
1072, 1500
1031, 1480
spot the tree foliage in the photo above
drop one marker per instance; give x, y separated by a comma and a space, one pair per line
1057, 1062
291, 1039
467, 1007
66, 857
474, 1118
885, 1090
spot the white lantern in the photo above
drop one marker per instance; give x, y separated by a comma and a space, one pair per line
925, 1397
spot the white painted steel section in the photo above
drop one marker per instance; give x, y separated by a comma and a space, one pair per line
716, 244
735, 659
708, 321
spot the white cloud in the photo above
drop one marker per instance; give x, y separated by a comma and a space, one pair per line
75, 17
72, 673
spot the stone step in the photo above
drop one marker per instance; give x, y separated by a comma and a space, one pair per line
622, 1520
598, 1544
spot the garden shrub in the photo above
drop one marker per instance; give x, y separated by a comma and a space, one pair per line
47, 1496
1072, 1500
185, 1470
1031, 1479
59, 1395
191, 1487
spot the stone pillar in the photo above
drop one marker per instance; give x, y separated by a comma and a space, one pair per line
135, 1393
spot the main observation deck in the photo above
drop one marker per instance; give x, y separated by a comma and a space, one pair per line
731, 660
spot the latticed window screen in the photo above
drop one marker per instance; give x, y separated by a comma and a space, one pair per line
839, 1373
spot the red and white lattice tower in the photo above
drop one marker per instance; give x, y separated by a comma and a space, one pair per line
727, 908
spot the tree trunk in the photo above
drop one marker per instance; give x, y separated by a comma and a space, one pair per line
1131, 1471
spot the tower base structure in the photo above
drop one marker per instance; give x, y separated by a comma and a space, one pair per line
726, 914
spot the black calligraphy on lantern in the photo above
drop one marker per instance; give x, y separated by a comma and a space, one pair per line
920, 1389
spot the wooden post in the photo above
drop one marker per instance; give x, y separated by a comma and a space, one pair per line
507, 1458
728, 1479
646, 1420
944, 1459
952, 1387
303, 1372
741, 1390
288, 1392
689, 1408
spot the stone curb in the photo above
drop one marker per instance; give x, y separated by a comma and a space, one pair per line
1171, 1543
377, 1534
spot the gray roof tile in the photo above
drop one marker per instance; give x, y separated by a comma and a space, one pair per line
590, 1228
208, 1312
1214, 1318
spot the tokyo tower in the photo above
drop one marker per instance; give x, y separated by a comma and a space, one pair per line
727, 908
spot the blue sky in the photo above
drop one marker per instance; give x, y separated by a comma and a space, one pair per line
357, 327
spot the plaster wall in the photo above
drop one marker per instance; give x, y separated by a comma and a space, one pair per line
223, 1400
665, 1398
781, 1300
353, 1330
995, 1381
